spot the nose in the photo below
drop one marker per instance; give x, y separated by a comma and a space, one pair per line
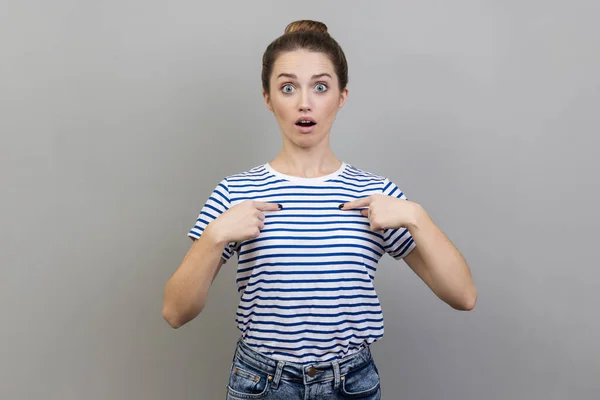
304, 104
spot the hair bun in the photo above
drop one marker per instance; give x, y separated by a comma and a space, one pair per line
306, 25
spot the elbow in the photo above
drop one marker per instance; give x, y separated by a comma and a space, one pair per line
177, 319
467, 302
179, 309
468, 305
173, 321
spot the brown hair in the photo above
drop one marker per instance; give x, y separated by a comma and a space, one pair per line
307, 35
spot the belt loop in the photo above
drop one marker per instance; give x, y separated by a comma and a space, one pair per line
278, 373
336, 374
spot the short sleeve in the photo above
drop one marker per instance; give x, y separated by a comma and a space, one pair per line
398, 243
217, 204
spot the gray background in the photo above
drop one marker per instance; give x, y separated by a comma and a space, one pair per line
119, 117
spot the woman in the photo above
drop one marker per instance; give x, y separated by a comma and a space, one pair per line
309, 230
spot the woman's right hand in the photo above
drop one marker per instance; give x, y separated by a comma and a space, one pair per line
241, 222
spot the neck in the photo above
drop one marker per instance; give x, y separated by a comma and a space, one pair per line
306, 163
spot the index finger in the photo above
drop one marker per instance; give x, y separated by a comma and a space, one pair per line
264, 206
364, 202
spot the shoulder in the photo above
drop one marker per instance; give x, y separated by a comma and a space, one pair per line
385, 184
364, 175
253, 173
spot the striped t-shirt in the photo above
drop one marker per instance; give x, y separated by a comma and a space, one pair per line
306, 282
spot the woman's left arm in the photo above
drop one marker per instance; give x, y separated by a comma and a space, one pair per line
439, 263
434, 259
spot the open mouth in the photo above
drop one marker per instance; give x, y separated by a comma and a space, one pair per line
305, 123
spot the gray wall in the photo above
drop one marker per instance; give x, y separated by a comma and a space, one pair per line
119, 117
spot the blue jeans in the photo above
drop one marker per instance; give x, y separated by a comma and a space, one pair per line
255, 376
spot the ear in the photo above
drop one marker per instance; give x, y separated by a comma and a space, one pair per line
268, 101
343, 98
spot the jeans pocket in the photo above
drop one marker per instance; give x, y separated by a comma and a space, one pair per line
247, 382
362, 383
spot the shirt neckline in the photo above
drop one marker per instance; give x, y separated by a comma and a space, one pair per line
302, 180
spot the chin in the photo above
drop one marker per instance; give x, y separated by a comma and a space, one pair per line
305, 140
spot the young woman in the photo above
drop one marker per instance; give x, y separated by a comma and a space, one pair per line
309, 231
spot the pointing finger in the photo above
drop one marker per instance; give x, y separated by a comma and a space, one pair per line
263, 206
364, 202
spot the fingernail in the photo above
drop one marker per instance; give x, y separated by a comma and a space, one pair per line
341, 206
280, 206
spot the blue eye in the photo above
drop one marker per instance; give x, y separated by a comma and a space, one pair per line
321, 87
287, 89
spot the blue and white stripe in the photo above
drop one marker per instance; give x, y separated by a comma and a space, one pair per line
306, 283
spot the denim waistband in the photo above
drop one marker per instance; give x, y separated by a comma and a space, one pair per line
307, 373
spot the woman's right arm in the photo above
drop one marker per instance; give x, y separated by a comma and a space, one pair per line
186, 291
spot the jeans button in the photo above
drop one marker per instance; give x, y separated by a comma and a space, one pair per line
312, 372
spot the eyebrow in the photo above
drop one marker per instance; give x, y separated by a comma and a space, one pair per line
293, 76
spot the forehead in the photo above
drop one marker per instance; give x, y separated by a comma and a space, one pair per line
303, 63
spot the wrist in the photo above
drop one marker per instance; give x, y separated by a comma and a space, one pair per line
418, 217
213, 234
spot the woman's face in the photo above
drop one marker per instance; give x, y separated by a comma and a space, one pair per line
304, 96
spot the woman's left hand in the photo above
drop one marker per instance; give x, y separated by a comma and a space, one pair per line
386, 212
